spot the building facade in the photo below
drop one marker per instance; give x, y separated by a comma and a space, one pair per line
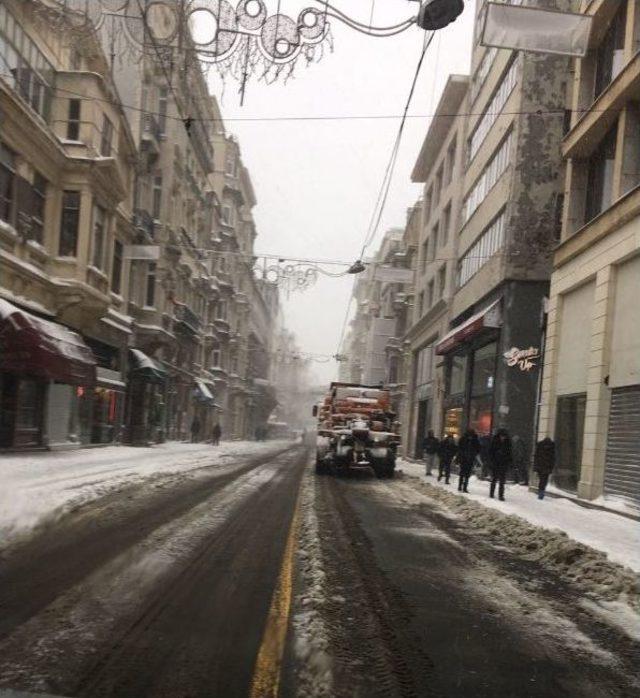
126, 247
440, 169
66, 175
590, 400
508, 226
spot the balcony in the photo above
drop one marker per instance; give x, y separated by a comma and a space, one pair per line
151, 135
222, 327
186, 319
143, 222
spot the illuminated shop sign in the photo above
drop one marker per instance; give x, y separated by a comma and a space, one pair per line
524, 359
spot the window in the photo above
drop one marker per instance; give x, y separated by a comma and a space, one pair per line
489, 242
425, 254
424, 365
482, 70
69, 223
430, 289
493, 110
484, 369
156, 205
420, 303
437, 189
458, 375
221, 310
98, 236
434, 243
163, 103
228, 216
569, 436
106, 143
442, 280
600, 175
150, 288
488, 178
38, 200
231, 165
24, 66
7, 183
73, 119
428, 201
610, 52
450, 162
446, 224
116, 270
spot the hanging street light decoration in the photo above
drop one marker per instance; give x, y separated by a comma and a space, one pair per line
290, 278
239, 38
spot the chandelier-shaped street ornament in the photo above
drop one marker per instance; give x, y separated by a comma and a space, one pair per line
240, 39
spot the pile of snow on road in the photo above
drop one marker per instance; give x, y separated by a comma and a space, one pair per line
586, 568
311, 643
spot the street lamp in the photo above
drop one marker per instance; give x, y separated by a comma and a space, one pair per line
437, 14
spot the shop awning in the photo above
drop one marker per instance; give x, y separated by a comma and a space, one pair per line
202, 392
489, 317
146, 367
43, 348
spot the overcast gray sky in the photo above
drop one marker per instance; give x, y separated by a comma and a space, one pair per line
317, 181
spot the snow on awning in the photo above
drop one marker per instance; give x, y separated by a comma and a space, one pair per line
43, 348
489, 317
203, 393
527, 28
146, 367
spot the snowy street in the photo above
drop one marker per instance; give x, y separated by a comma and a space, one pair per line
183, 570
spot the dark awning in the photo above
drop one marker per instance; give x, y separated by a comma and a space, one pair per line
146, 367
43, 348
489, 317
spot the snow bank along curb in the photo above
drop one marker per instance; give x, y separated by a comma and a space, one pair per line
585, 567
311, 641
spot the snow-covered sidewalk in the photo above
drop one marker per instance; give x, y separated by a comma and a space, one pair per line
615, 535
35, 486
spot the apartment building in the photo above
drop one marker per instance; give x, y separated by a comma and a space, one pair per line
126, 243
67, 169
590, 403
440, 169
508, 227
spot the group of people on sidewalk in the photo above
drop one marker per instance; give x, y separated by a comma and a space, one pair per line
496, 455
216, 432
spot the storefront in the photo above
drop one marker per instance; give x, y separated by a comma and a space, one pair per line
492, 365
43, 365
145, 413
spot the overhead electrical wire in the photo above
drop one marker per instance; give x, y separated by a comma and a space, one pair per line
388, 175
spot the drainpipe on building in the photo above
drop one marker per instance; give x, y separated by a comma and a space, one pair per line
543, 347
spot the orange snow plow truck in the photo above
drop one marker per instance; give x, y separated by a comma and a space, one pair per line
356, 429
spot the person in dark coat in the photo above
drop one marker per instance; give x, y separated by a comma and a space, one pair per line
430, 446
544, 461
468, 449
446, 452
216, 434
520, 461
195, 429
501, 460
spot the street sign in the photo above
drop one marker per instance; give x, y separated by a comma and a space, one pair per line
527, 28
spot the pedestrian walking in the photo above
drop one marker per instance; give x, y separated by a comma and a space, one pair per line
446, 452
195, 429
520, 461
216, 434
468, 449
501, 461
430, 446
544, 461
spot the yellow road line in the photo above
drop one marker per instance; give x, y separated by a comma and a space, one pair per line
266, 673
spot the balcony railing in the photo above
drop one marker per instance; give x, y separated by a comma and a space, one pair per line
151, 129
187, 318
143, 221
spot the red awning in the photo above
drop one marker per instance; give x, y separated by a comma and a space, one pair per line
490, 317
43, 348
